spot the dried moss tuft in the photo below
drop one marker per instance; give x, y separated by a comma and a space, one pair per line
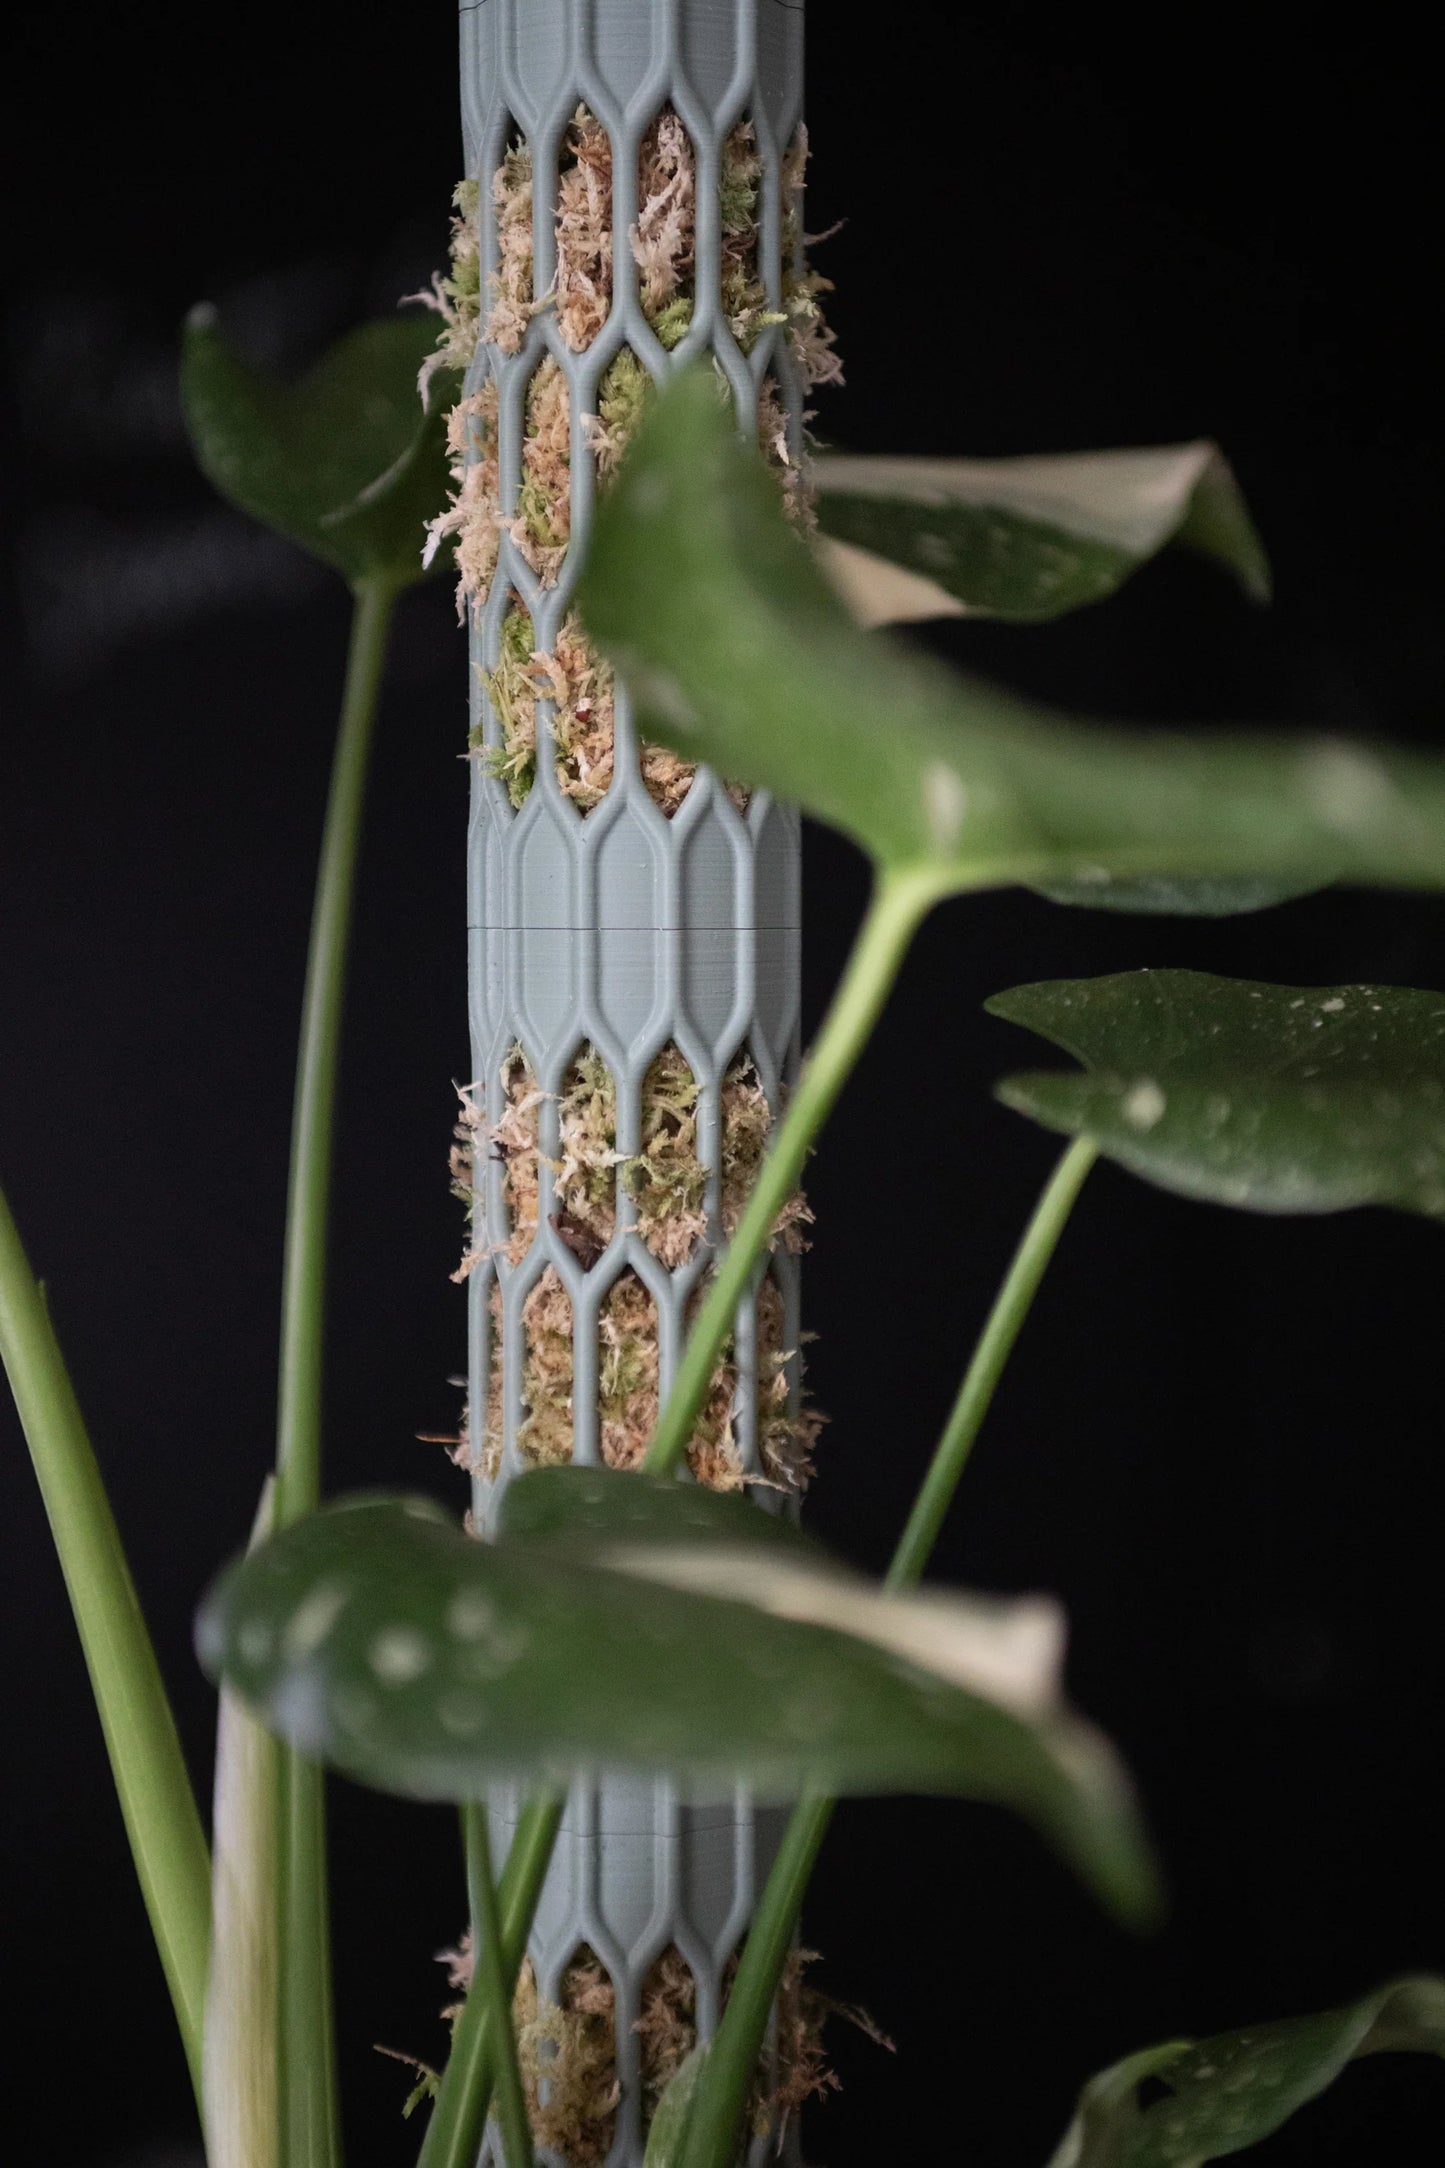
543, 519
472, 516
628, 1370
568, 2058
545, 1436
620, 395
663, 1190
509, 289
578, 684
568, 2055
665, 1181
456, 294
662, 247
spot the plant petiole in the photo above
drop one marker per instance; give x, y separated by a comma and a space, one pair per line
306, 2047
900, 900
454, 2134
726, 2076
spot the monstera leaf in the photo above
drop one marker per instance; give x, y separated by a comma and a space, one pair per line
1215, 2097
737, 652
1272, 1098
655, 1628
1023, 538
348, 462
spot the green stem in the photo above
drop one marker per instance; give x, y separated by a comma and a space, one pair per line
899, 902
454, 2135
1005, 1320
306, 2046
161, 1818
489, 1967
726, 2077
306, 2035
303, 1298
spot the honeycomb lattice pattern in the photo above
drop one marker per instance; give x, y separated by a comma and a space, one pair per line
619, 914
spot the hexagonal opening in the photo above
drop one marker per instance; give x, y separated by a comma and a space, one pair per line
567, 2049
788, 1426
542, 523
510, 296
627, 1371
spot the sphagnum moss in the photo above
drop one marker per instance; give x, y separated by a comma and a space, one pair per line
661, 243
566, 2048
663, 1189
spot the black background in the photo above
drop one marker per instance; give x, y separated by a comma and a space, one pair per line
1221, 1439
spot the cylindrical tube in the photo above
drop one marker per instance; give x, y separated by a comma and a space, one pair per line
634, 924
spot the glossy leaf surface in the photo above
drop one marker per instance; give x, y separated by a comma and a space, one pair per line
1273, 1098
1228, 2092
381, 1638
591, 1512
738, 652
1032, 538
347, 462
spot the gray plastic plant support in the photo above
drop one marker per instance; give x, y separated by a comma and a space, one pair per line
623, 928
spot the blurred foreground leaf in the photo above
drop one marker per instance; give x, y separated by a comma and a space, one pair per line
738, 653
347, 461
380, 1638
1024, 538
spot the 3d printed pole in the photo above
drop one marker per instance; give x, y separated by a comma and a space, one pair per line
634, 171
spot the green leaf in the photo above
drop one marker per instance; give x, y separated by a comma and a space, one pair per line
347, 462
737, 652
1228, 2092
167, 1842
590, 1513
1026, 538
673, 2113
380, 1638
1167, 898
1272, 1098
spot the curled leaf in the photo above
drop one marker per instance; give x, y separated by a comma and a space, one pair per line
1216, 2097
1025, 538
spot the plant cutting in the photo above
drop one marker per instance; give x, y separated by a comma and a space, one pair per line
379, 1636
